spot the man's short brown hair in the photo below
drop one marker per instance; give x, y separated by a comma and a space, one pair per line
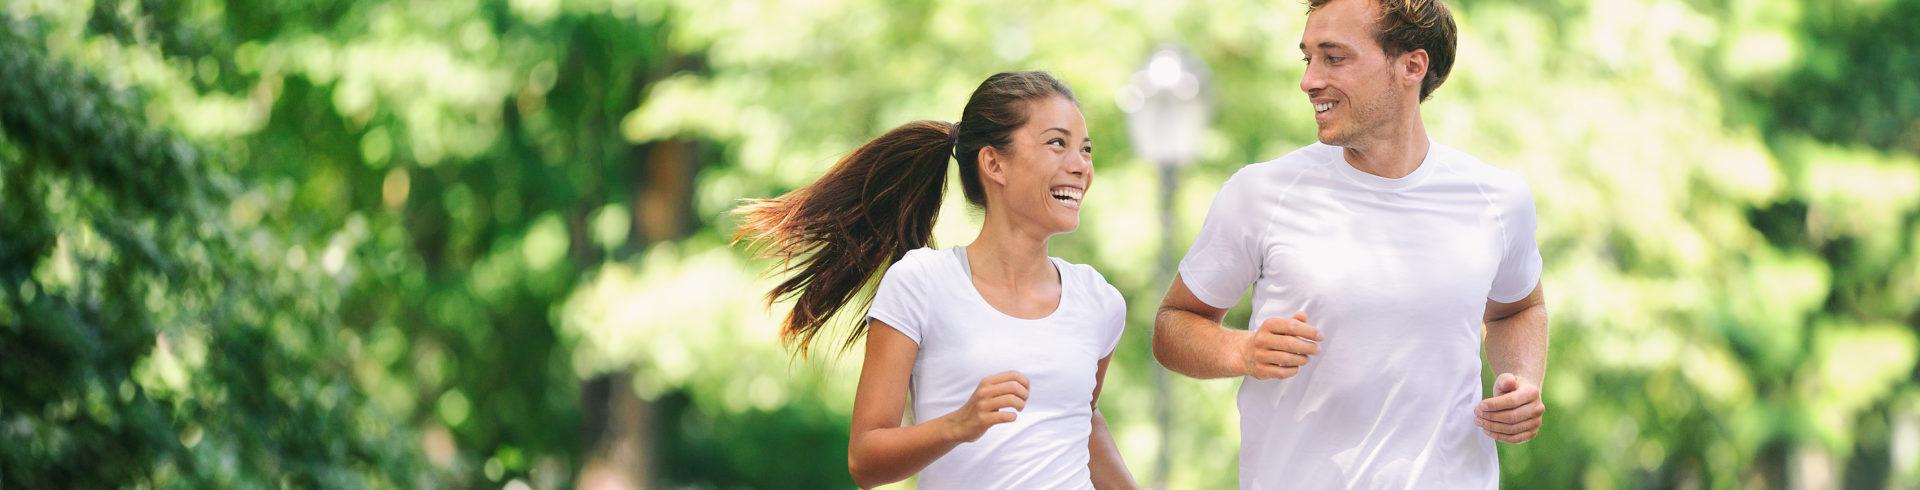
1407, 25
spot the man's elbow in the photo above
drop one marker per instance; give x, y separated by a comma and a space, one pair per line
1166, 333
1160, 326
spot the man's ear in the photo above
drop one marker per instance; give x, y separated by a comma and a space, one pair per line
993, 165
1413, 66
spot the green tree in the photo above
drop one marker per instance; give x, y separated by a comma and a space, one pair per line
145, 339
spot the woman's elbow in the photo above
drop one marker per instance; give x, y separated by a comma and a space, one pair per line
862, 476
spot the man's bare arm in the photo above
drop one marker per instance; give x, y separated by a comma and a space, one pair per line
1517, 349
1188, 339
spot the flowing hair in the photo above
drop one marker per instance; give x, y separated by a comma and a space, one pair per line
832, 237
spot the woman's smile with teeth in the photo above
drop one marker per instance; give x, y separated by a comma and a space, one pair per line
1068, 196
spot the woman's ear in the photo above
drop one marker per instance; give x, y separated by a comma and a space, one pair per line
993, 165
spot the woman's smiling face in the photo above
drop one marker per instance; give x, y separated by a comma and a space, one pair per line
1048, 168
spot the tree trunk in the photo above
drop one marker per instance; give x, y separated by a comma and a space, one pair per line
618, 424
619, 435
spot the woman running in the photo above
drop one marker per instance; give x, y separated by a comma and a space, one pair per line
1002, 348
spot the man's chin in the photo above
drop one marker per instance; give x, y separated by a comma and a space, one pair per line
1330, 138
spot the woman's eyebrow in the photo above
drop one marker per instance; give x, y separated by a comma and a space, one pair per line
1069, 134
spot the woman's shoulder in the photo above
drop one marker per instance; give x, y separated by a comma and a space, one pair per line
923, 262
922, 255
1091, 280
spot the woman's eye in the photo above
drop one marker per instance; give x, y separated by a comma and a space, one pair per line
1087, 150
1057, 142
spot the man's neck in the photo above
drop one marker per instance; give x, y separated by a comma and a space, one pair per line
1395, 154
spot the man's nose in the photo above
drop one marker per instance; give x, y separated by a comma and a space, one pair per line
1311, 81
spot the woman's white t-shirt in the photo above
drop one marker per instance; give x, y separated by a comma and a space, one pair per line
929, 296
1396, 273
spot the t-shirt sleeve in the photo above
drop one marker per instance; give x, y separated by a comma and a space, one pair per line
900, 301
1117, 319
1225, 258
1520, 263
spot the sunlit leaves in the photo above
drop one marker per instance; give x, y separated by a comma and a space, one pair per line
1855, 365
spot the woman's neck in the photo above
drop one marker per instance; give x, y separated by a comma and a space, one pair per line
1005, 254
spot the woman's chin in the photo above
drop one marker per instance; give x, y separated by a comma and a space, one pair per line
1069, 225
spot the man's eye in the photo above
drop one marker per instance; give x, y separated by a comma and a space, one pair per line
1335, 59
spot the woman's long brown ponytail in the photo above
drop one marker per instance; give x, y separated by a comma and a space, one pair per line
868, 211
880, 201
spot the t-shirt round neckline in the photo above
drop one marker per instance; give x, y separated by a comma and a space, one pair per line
966, 274
1375, 182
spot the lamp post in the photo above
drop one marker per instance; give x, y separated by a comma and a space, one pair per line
1168, 108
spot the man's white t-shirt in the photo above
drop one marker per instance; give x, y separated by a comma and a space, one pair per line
1396, 274
929, 296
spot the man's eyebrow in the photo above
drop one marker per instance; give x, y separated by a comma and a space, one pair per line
1324, 45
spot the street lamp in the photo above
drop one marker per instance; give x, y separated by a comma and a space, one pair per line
1168, 109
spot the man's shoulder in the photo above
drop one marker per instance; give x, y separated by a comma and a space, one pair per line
1497, 179
1312, 155
1288, 166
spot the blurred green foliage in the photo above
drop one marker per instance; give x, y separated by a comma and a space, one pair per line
349, 243
142, 338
